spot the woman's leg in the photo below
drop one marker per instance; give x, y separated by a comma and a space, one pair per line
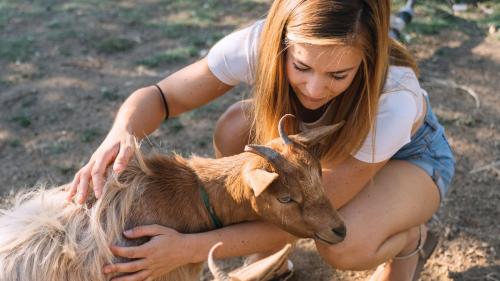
232, 130
382, 220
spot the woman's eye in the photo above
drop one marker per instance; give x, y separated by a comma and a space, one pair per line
285, 199
338, 77
299, 68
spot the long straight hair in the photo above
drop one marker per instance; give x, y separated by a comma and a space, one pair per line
363, 24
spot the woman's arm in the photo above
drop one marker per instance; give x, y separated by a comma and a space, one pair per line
140, 115
169, 249
186, 89
343, 181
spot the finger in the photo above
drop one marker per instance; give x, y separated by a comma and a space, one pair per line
83, 186
98, 171
133, 266
130, 252
145, 230
124, 155
139, 276
73, 187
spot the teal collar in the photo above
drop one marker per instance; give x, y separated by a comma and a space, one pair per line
204, 197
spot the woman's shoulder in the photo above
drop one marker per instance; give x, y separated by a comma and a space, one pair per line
233, 59
400, 78
401, 87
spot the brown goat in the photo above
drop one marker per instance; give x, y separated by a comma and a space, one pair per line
44, 238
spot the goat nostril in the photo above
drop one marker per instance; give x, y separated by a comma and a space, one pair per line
340, 231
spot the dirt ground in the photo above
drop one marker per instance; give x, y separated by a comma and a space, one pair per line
66, 66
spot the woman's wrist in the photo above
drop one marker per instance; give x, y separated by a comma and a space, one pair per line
196, 248
120, 127
142, 113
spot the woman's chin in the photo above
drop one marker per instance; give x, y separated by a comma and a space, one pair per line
312, 105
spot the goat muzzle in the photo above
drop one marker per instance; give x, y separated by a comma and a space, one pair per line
332, 236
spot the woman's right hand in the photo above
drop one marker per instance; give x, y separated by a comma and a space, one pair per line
116, 149
166, 250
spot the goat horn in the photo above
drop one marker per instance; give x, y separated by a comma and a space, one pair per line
276, 159
281, 129
218, 273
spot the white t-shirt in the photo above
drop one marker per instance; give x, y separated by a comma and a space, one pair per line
234, 59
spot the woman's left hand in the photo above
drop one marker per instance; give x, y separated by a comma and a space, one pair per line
165, 251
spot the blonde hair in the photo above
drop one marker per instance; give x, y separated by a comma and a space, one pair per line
363, 24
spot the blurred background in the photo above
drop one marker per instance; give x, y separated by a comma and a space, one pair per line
66, 66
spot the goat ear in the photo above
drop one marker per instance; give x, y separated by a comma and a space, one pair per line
315, 136
258, 179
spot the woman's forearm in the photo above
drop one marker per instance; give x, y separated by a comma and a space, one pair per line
141, 113
239, 240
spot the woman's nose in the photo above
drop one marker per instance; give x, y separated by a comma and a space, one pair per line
315, 87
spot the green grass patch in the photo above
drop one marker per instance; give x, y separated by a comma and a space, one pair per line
114, 45
189, 34
173, 125
434, 19
494, 17
78, 5
109, 94
174, 30
136, 16
206, 110
22, 120
6, 12
89, 135
29, 101
16, 49
14, 143
58, 147
66, 170
55, 24
427, 27
176, 55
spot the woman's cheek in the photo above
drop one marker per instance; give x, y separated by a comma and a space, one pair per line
340, 86
291, 73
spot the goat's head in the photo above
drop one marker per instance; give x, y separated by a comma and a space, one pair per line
287, 185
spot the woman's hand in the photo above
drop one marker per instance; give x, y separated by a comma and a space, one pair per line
117, 148
165, 251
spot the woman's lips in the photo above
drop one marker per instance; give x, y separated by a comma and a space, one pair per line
310, 99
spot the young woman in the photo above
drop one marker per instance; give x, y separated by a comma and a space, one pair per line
323, 61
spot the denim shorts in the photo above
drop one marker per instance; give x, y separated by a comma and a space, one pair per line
429, 150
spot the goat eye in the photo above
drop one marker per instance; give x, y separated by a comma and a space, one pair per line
285, 199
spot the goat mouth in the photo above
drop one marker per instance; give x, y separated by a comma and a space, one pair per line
325, 240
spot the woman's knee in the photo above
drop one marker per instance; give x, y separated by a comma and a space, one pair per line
348, 255
232, 130
362, 252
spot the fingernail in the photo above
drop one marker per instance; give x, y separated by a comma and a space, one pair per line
127, 232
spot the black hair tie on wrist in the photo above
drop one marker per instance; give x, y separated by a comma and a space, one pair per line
165, 104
